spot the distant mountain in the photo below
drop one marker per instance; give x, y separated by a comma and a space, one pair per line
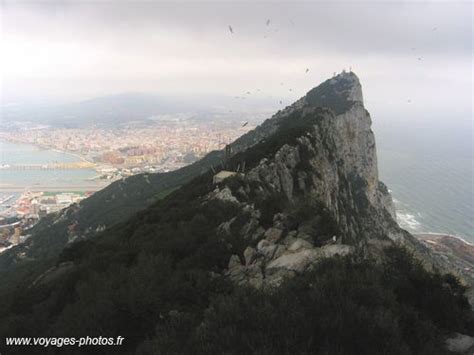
132, 109
106, 111
297, 251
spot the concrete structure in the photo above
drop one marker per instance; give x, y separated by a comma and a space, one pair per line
222, 175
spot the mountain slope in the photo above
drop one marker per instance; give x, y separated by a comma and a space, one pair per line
123, 198
301, 243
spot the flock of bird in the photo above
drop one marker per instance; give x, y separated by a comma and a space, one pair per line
267, 23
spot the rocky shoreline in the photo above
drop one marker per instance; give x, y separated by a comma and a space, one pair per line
445, 243
456, 252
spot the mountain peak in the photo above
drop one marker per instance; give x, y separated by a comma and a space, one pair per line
351, 82
338, 93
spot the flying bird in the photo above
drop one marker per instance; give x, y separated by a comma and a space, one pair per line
307, 70
268, 22
231, 29
246, 123
281, 102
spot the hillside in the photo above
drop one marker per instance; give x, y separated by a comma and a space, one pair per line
116, 203
297, 252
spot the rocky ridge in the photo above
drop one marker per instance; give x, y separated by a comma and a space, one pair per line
331, 162
304, 188
329, 169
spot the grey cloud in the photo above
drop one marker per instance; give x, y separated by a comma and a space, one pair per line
304, 26
125, 45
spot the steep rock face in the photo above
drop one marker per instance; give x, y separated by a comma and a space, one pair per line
326, 171
329, 168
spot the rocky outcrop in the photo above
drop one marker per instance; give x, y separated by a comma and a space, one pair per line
277, 173
328, 173
275, 258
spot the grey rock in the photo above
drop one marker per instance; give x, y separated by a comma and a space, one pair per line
279, 251
295, 261
290, 238
273, 234
250, 254
300, 244
268, 252
234, 262
263, 244
305, 236
460, 343
278, 217
258, 234
226, 195
336, 249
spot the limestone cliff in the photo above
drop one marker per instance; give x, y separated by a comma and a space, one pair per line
319, 157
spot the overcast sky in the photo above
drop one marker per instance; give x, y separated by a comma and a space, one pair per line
410, 56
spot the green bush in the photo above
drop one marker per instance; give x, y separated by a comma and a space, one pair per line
343, 306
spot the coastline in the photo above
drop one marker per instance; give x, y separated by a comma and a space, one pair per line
67, 188
454, 252
12, 185
425, 235
51, 148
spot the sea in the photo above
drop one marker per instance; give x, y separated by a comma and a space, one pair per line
428, 169
14, 182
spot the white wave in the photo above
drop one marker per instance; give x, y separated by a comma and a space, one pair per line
408, 221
